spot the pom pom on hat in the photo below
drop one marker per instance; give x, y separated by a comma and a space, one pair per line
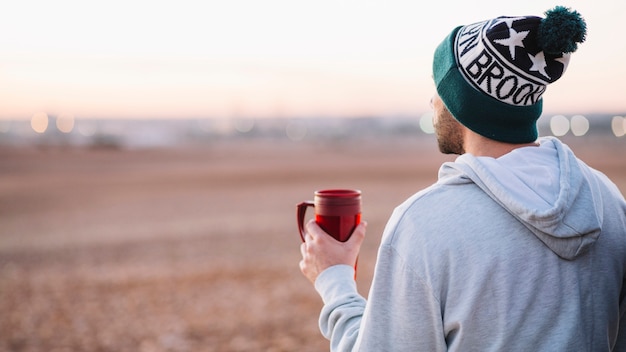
561, 31
491, 75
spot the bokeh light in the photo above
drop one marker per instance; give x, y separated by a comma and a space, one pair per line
426, 123
618, 125
579, 125
296, 130
87, 129
559, 125
65, 123
39, 122
243, 125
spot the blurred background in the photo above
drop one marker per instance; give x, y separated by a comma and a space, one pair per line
152, 154
275, 58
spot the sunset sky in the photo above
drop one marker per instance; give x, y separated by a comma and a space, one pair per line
267, 57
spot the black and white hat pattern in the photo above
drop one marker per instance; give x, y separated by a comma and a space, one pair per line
491, 75
501, 58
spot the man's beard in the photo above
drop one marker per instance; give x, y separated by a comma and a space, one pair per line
449, 134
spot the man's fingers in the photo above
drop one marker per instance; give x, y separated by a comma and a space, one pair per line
302, 267
303, 249
313, 230
359, 233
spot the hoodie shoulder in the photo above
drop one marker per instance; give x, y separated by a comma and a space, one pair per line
547, 188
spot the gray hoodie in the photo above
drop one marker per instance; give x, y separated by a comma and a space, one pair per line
526, 252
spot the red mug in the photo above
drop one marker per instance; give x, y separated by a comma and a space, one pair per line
337, 211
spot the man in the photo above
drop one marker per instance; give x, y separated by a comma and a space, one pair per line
519, 246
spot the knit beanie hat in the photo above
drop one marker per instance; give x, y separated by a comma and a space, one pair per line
491, 74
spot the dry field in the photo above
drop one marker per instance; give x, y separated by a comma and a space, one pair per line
189, 249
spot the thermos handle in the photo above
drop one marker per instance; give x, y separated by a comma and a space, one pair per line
300, 216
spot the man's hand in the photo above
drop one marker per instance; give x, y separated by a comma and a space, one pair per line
321, 251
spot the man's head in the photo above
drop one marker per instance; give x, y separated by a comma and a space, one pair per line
491, 75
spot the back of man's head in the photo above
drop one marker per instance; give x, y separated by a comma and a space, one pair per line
491, 74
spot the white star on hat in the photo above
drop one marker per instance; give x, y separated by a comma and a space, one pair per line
515, 39
539, 63
564, 60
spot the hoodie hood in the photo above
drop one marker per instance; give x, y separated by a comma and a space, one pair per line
546, 188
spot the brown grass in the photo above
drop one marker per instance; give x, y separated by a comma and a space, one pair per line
189, 249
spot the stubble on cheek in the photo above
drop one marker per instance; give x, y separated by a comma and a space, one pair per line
449, 134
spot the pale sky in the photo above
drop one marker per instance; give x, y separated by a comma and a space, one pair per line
267, 57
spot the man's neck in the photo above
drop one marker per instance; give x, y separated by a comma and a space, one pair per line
478, 145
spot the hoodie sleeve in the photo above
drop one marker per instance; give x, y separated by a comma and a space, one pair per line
620, 344
401, 314
343, 307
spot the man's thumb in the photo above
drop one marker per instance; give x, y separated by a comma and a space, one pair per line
359, 234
